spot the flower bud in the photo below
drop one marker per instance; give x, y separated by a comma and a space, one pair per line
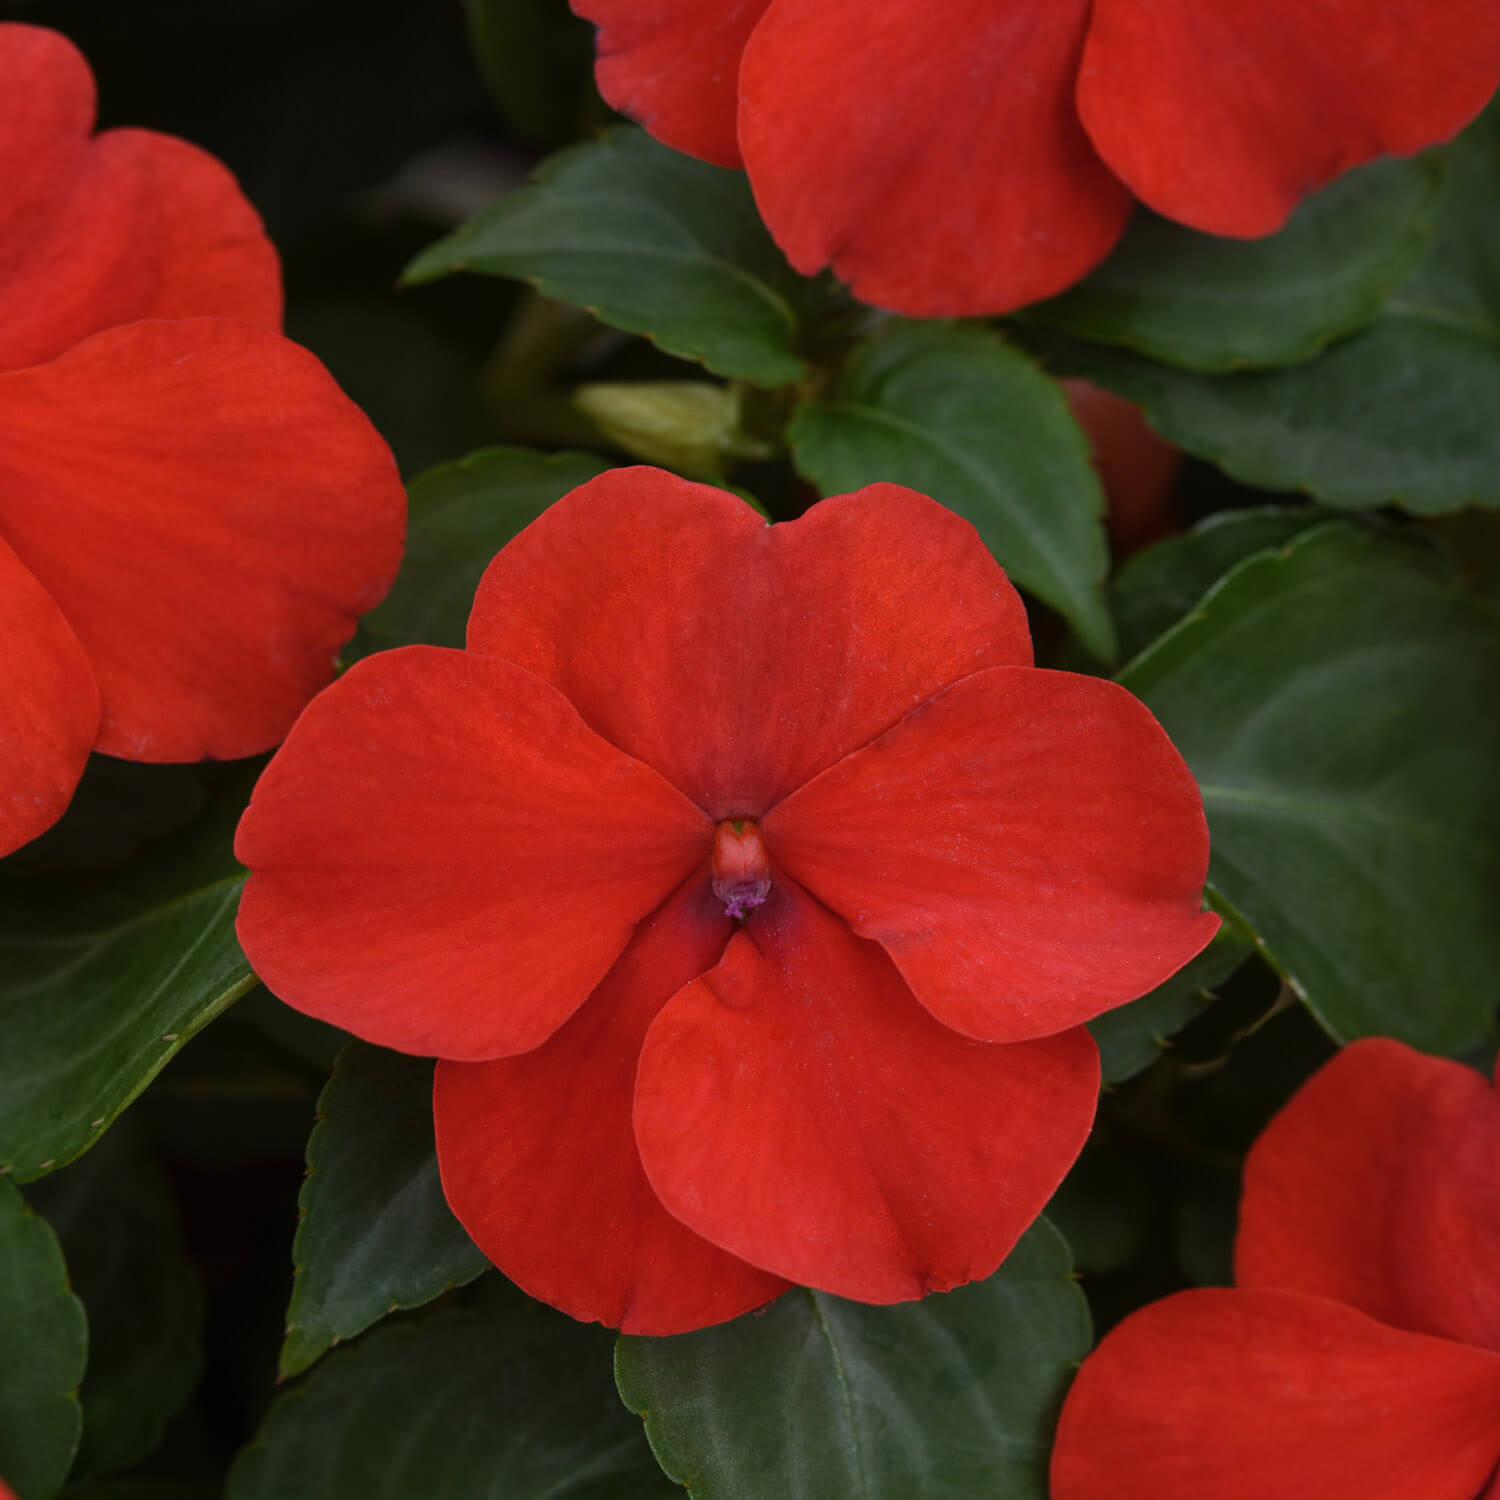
689, 425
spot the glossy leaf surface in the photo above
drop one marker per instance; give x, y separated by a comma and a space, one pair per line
105, 977
649, 241
492, 1398
375, 1233
1336, 701
1402, 413
818, 1397
957, 414
116, 1218
1201, 302
1158, 586
43, 1341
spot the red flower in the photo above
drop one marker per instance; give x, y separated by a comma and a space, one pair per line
1137, 466
1360, 1356
751, 884
192, 516
954, 157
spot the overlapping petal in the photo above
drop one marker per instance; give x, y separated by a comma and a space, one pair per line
1225, 116
446, 860
98, 232
930, 153
1240, 1395
49, 707
539, 1159
797, 1106
736, 658
210, 513
1028, 847
673, 66
1378, 1185
965, 157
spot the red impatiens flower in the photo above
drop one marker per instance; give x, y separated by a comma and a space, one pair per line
1137, 466
1359, 1356
192, 515
955, 157
752, 886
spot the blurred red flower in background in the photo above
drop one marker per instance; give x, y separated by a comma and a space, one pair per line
753, 886
958, 157
1137, 466
1359, 1354
192, 515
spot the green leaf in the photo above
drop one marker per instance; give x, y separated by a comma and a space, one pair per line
1131, 1038
537, 58
414, 380
1103, 1208
497, 1399
43, 1343
375, 1232
957, 414
1205, 303
1458, 286
1159, 585
1336, 701
650, 241
106, 977
818, 1398
461, 514
1403, 413
117, 1220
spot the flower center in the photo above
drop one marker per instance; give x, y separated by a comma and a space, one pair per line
740, 870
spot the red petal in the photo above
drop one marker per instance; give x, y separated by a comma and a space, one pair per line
1244, 1395
553, 1193
674, 66
740, 659
930, 153
798, 1107
1138, 468
1225, 116
1379, 1185
49, 707
46, 113
1027, 845
444, 859
131, 225
211, 514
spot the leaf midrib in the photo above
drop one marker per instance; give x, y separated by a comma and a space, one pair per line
841, 1375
